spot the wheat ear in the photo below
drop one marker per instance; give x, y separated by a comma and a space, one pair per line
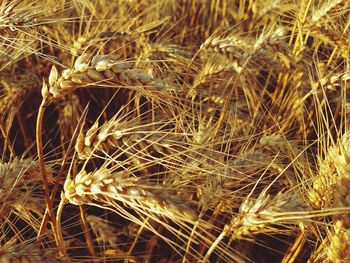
105, 186
257, 216
17, 177
101, 70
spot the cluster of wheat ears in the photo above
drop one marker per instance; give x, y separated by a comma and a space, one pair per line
174, 131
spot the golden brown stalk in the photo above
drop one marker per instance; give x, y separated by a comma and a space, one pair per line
87, 233
40, 151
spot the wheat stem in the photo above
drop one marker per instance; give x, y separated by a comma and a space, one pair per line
87, 234
62, 248
40, 152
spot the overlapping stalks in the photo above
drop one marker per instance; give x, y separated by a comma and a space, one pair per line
174, 131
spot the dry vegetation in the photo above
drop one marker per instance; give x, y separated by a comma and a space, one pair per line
174, 131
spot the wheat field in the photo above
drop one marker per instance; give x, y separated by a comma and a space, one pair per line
174, 131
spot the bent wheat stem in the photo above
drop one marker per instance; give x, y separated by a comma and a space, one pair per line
40, 151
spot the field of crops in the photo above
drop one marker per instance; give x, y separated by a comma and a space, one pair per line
174, 131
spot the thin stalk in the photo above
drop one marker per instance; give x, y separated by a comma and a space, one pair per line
87, 234
61, 246
39, 144
40, 151
55, 188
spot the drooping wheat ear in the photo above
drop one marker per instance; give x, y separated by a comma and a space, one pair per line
256, 216
259, 216
339, 244
268, 10
276, 142
331, 81
31, 209
103, 230
101, 70
330, 37
14, 90
109, 187
342, 199
11, 252
139, 142
268, 45
17, 178
339, 156
321, 12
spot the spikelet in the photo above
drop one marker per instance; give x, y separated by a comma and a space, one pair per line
142, 143
269, 46
322, 11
